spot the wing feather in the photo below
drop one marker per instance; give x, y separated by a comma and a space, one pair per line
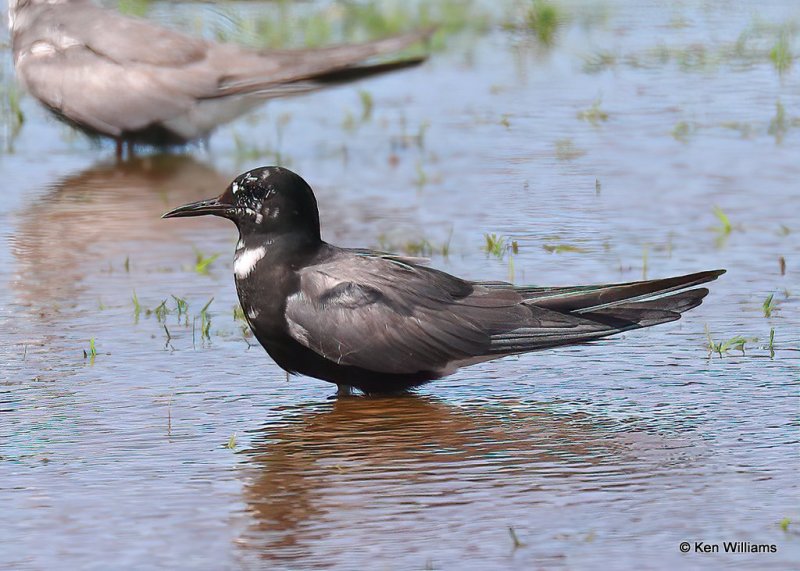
369, 312
374, 311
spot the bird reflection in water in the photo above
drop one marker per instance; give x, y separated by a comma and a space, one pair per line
100, 215
397, 465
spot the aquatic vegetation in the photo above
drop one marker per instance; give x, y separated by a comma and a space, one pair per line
725, 227
683, 131
422, 176
567, 151
134, 7
405, 139
349, 122
495, 245
367, 104
181, 306
544, 19
498, 246
562, 248
781, 53
137, 307
504, 121
780, 123
769, 305
725, 222
784, 230
161, 311
771, 345
511, 272
238, 313
722, 347
784, 524
14, 107
231, 444
92, 352
759, 42
597, 187
205, 321
593, 114
644, 262
203, 262
517, 543
782, 265
245, 149
168, 343
246, 333
419, 248
296, 24
12, 117
678, 21
415, 247
746, 130
127, 264
599, 61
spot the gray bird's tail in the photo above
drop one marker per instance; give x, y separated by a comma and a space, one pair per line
313, 69
592, 312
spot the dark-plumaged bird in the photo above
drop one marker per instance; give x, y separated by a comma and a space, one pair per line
384, 323
131, 80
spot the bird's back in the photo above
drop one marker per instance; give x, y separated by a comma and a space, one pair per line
127, 78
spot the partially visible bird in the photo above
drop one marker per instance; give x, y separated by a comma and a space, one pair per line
126, 78
383, 323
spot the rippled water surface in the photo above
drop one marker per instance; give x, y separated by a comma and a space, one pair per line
181, 445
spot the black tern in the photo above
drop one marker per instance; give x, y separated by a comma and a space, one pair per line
384, 323
126, 78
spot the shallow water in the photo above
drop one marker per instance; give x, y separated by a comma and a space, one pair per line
170, 449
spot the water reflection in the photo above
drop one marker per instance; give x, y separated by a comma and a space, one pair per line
99, 217
394, 462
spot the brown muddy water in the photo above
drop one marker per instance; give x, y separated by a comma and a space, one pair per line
603, 155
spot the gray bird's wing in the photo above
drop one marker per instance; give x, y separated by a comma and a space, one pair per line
309, 69
389, 316
108, 72
108, 34
112, 74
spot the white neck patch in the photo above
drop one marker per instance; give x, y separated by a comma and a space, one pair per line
245, 261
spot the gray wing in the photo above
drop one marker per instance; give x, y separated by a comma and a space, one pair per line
389, 316
109, 72
109, 34
311, 68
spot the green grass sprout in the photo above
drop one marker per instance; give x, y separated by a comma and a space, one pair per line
203, 262
769, 305
514, 538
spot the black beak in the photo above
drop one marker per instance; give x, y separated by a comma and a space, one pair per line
201, 208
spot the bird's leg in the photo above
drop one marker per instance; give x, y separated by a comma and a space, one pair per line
344, 391
131, 150
119, 149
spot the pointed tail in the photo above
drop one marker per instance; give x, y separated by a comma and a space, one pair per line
569, 315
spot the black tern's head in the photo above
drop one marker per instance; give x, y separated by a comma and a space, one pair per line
266, 200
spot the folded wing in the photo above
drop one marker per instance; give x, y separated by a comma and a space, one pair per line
390, 316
